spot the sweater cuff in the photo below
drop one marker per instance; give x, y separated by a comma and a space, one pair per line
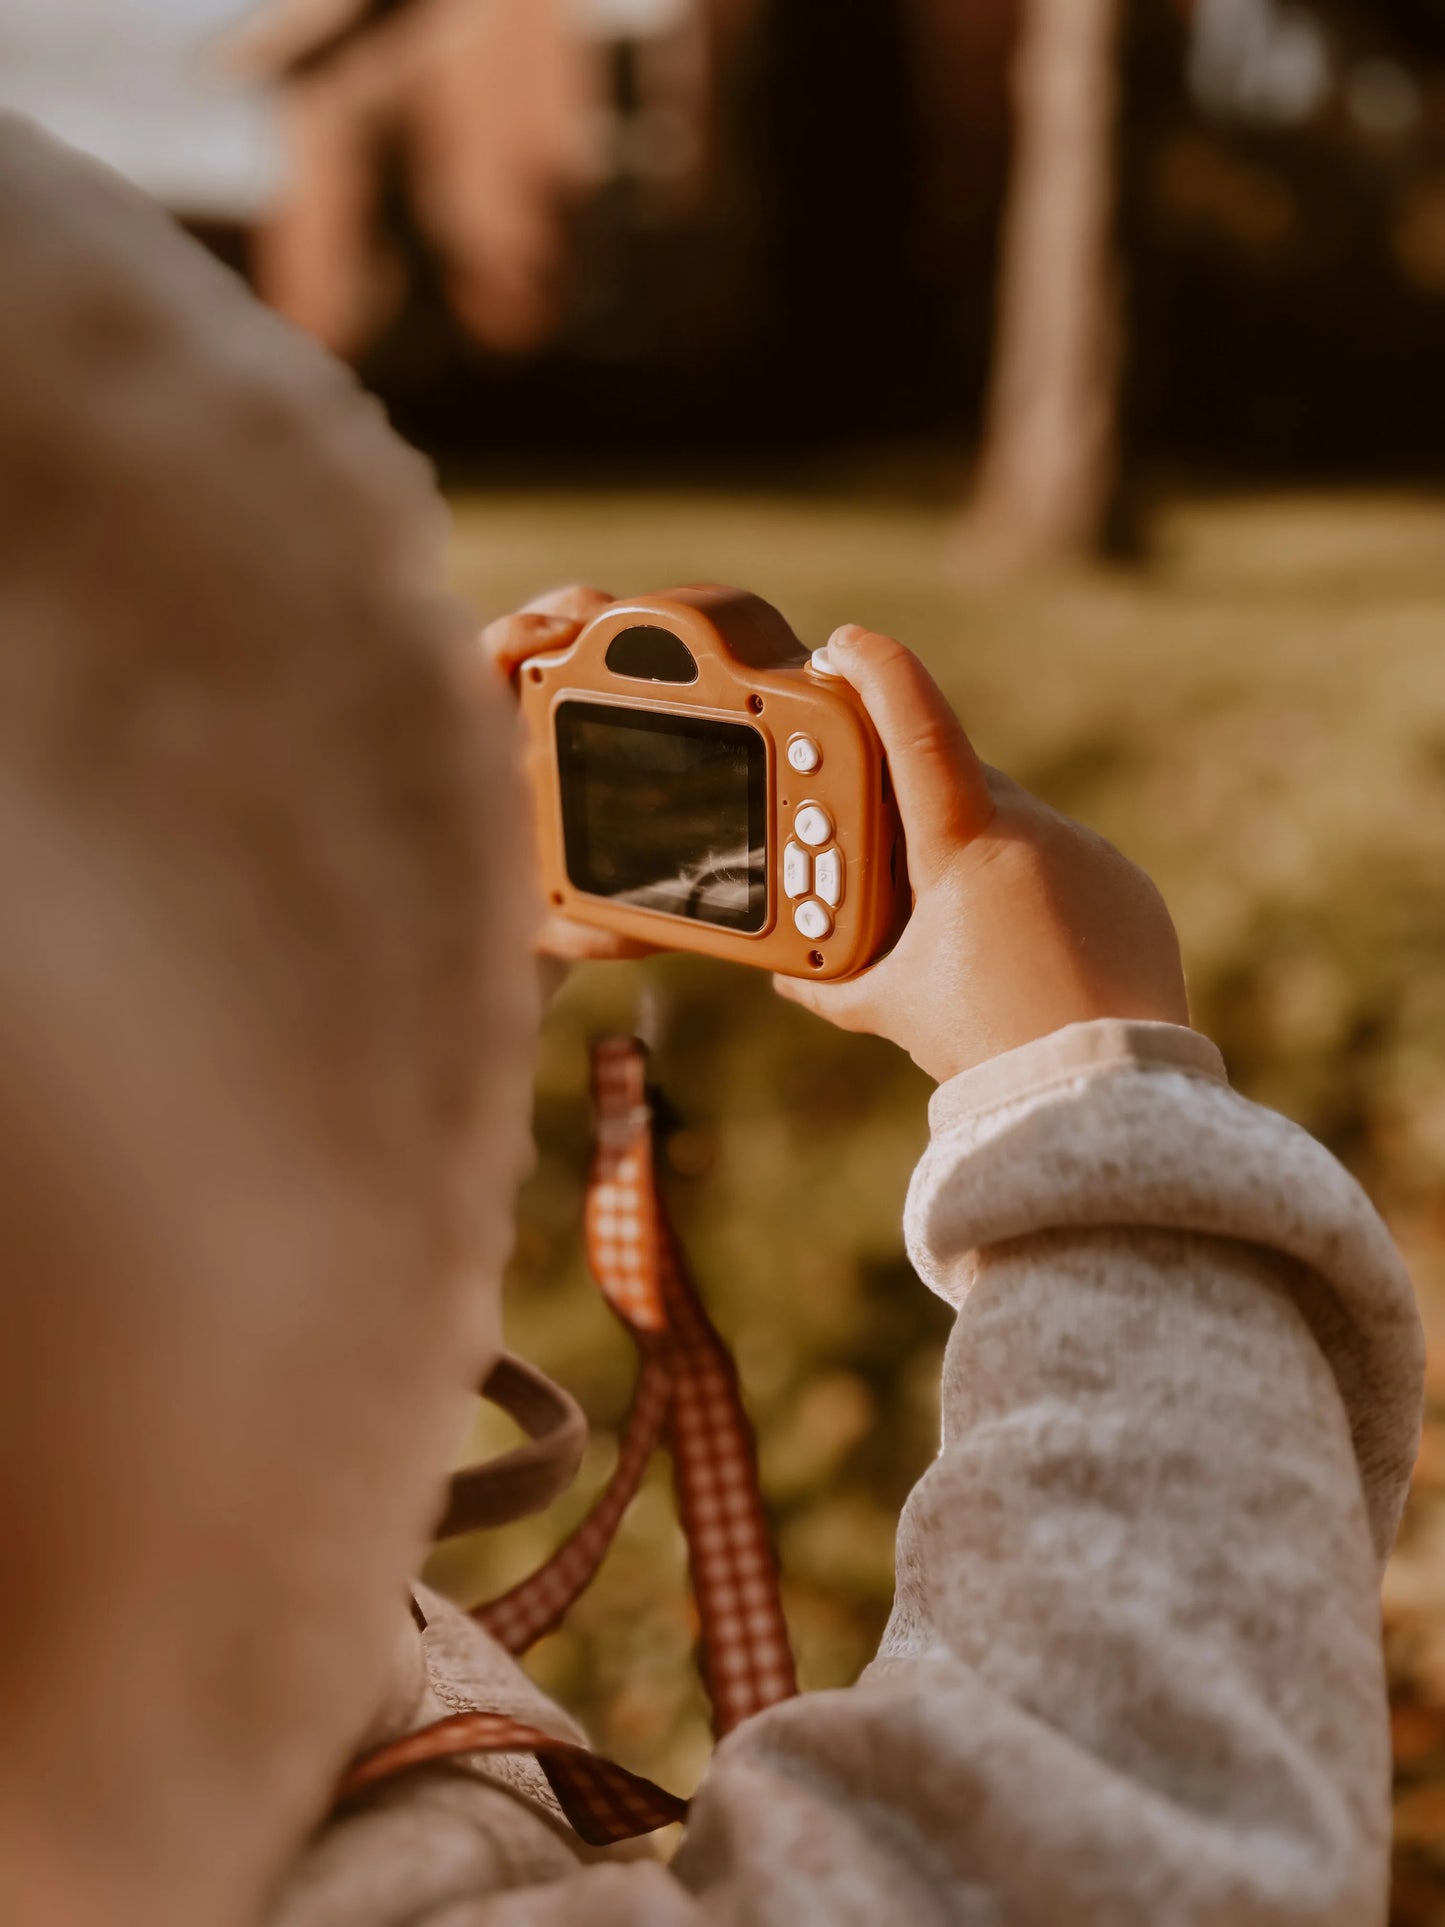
1122, 1128
1109, 1044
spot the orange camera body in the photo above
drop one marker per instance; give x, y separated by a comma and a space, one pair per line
703, 784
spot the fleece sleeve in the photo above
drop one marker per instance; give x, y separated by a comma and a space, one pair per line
1133, 1672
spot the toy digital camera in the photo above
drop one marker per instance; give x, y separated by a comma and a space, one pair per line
703, 784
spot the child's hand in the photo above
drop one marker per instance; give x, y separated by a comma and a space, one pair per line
1022, 922
554, 622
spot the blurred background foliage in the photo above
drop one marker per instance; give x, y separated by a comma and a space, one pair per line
1092, 346
1259, 717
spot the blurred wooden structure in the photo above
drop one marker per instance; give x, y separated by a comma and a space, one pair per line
475, 116
544, 153
649, 223
476, 129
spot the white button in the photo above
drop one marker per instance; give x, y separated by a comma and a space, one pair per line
812, 919
797, 870
828, 877
819, 664
814, 826
804, 754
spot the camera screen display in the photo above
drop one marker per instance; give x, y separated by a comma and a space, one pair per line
665, 812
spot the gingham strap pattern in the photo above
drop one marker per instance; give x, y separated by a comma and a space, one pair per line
688, 1381
603, 1801
519, 1618
688, 1387
745, 1655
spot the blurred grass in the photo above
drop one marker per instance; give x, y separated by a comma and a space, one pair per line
1259, 718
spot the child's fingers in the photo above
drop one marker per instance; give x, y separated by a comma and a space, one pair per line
548, 623
835, 1002
578, 601
796, 990
508, 642
942, 787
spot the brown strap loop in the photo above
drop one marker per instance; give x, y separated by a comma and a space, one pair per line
529, 1478
687, 1391
603, 1801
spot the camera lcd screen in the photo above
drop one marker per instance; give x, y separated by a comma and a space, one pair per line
665, 812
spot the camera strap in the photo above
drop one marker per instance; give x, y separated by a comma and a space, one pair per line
686, 1397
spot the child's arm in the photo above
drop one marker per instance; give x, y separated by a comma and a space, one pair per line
1133, 1673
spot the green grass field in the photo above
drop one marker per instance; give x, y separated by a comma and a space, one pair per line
1258, 716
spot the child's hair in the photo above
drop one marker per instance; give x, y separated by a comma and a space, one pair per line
223, 649
265, 1025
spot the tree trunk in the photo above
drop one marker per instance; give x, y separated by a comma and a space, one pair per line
1046, 476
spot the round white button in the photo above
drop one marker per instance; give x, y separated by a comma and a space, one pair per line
812, 920
813, 826
804, 755
820, 665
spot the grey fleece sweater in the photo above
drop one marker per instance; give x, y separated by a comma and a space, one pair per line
1133, 1671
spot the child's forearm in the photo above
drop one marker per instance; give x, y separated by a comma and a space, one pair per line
1181, 1408
1134, 1668
1133, 1673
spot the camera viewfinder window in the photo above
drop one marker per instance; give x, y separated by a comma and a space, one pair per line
665, 812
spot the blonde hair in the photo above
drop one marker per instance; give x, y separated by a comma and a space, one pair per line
223, 643
266, 1014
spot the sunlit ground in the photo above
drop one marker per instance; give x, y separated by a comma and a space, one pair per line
1259, 718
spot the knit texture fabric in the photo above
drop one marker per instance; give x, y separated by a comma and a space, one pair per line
1133, 1671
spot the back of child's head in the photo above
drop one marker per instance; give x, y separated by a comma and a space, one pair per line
266, 1014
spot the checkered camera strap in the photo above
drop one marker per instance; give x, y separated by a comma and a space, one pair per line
687, 1390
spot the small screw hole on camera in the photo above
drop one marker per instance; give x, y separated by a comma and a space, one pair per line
755, 704
556, 896
815, 958
535, 674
